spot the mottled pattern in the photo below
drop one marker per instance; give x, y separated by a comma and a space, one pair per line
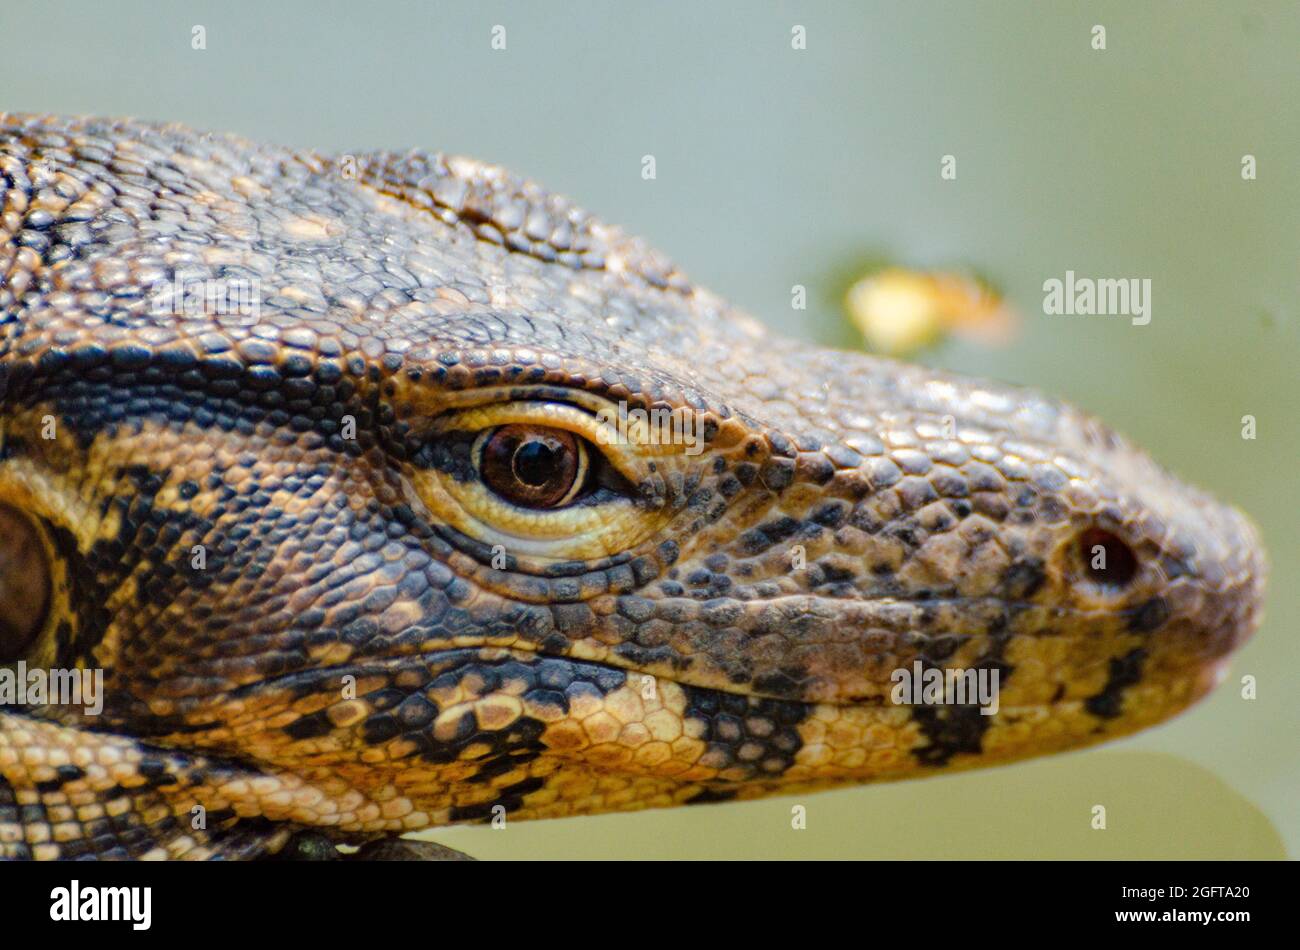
374, 644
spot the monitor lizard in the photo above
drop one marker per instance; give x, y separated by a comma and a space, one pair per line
391, 490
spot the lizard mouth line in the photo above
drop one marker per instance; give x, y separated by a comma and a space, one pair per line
1185, 668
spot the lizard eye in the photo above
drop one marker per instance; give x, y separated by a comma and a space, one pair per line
1108, 561
25, 584
532, 466
546, 480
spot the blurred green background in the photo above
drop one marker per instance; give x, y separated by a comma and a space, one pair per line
775, 168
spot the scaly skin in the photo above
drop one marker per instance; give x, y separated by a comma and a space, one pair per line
349, 661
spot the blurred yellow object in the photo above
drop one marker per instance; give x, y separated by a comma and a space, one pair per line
901, 311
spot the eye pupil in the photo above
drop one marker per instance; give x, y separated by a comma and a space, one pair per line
532, 466
536, 461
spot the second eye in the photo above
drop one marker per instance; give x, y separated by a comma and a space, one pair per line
532, 466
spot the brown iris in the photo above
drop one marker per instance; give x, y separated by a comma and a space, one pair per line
532, 466
24, 584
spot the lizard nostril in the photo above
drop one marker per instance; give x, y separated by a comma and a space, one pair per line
1107, 560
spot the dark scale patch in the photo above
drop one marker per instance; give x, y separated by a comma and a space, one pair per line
831, 514
146, 545
312, 726
943, 646
832, 574
520, 741
156, 771
905, 530
787, 682
777, 474
864, 518
511, 799
1052, 510
1149, 616
408, 711
8, 803
1024, 578
915, 493
652, 655
89, 592
753, 733
1125, 671
146, 481
815, 468
32, 814
95, 390
13, 446
450, 454
729, 487
951, 730
501, 764
950, 484
958, 729
551, 681
759, 539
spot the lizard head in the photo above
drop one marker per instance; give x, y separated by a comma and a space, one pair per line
392, 491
